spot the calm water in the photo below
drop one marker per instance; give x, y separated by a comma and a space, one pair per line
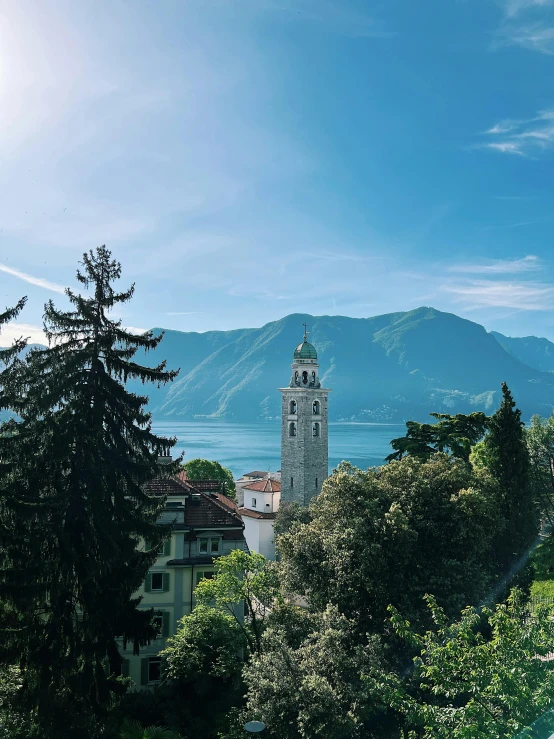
243, 447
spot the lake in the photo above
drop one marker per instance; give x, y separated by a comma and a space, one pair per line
243, 447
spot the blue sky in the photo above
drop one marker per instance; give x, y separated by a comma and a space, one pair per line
246, 159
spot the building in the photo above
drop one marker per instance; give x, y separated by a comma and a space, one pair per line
206, 525
261, 503
304, 428
249, 477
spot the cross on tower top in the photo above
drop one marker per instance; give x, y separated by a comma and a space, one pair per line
306, 332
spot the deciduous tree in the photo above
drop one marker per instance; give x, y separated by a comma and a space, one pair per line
470, 686
392, 534
204, 469
242, 578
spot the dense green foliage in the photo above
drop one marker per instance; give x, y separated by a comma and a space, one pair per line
509, 464
391, 534
468, 685
72, 508
242, 578
453, 434
314, 678
289, 515
203, 469
540, 442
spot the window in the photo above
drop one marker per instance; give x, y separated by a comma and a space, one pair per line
316, 483
292, 406
316, 408
267, 505
305, 378
160, 622
210, 546
292, 429
253, 502
291, 483
204, 575
154, 670
163, 551
151, 670
157, 582
315, 429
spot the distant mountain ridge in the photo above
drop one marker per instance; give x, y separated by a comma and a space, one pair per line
537, 353
387, 368
383, 369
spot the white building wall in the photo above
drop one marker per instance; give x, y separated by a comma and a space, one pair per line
252, 533
259, 536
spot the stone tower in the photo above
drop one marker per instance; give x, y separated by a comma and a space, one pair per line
304, 431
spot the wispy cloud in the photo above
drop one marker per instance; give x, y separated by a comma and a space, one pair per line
526, 25
38, 281
513, 8
519, 224
479, 294
530, 263
523, 137
538, 36
13, 331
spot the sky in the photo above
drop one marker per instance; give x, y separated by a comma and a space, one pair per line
248, 159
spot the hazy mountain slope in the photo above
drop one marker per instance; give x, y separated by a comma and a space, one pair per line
389, 367
533, 351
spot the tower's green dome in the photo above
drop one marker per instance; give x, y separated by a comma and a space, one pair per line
305, 351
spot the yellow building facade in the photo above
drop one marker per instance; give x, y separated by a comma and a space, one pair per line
204, 526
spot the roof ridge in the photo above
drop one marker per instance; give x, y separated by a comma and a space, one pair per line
220, 505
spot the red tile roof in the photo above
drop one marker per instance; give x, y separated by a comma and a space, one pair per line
256, 514
168, 486
224, 500
206, 485
202, 510
256, 473
264, 486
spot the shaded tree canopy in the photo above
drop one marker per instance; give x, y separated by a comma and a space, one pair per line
453, 434
468, 683
72, 506
392, 534
204, 469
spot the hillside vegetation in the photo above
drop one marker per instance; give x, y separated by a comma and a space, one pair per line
386, 368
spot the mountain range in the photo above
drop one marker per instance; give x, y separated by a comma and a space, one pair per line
388, 368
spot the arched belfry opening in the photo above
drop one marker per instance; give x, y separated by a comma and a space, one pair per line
304, 437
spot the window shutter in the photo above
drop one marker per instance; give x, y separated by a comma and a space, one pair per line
165, 588
148, 583
125, 668
144, 671
165, 624
167, 547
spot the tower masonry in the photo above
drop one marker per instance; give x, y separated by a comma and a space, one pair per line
304, 429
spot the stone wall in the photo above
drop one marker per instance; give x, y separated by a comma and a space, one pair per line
304, 457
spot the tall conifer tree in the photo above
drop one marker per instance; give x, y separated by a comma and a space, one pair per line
507, 458
75, 506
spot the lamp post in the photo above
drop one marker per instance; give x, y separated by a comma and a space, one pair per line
254, 727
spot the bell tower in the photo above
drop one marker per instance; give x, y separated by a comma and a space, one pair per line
304, 428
